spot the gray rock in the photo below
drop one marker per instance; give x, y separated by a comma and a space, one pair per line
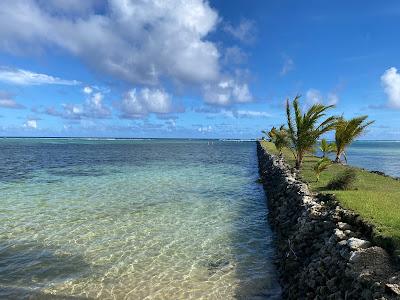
354, 257
349, 233
344, 226
339, 234
355, 243
393, 288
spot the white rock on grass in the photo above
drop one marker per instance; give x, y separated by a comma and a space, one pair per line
355, 243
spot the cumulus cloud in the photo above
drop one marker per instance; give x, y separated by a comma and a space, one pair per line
226, 92
93, 108
87, 90
245, 31
7, 101
138, 103
24, 77
391, 84
70, 7
314, 96
137, 41
31, 124
10, 103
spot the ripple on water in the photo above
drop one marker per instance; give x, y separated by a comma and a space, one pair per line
169, 228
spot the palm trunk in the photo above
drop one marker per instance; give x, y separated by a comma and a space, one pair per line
299, 161
338, 155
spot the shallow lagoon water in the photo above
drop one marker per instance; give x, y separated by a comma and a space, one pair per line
381, 156
131, 219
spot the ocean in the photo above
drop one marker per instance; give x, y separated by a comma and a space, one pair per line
133, 219
141, 219
383, 156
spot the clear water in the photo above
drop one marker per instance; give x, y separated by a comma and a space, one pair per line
133, 220
381, 156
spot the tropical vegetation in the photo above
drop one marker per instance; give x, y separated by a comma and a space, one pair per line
346, 132
327, 148
374, 197
304, 129
279, 137
321, 165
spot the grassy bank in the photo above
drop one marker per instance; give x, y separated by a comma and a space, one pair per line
376, 198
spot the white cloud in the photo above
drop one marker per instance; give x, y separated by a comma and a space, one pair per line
73, 7
92, 108
24, 77
87, 90
231, 113
205, 129
288, 65
391, 83
314, 96
332, 98
252, 114
234, 55
226, 92
10, 103
137, 41
31, 124
138, 103
244, 32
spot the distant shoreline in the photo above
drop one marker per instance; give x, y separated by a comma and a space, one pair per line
155, 138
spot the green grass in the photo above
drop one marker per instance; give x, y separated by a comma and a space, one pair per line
376, 198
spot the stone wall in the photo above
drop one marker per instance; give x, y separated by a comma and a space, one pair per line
323, 251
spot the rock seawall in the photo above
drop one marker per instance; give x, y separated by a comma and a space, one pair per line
323, 250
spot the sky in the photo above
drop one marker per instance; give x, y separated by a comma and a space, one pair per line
194, 68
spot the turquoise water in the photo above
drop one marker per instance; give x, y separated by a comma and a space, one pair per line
130, 219
381, 156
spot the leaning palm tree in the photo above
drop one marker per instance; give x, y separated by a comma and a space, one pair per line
270, 134
321, 165
304, 129
346, 132
327, 148
280, 138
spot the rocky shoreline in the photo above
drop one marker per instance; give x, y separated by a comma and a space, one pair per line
323, 251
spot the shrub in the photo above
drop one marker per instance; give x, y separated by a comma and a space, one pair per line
343, 181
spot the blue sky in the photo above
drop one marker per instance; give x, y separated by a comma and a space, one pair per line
217, 69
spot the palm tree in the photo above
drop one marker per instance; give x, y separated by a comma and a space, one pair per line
304, 129
321, 166
280, 138
327, 148
346, 132
270, 134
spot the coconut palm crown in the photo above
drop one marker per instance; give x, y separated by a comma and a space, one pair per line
305, 129
326, 147
346, 132
280, 138
321, 165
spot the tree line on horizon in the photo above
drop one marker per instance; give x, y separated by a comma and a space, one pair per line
303, 130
